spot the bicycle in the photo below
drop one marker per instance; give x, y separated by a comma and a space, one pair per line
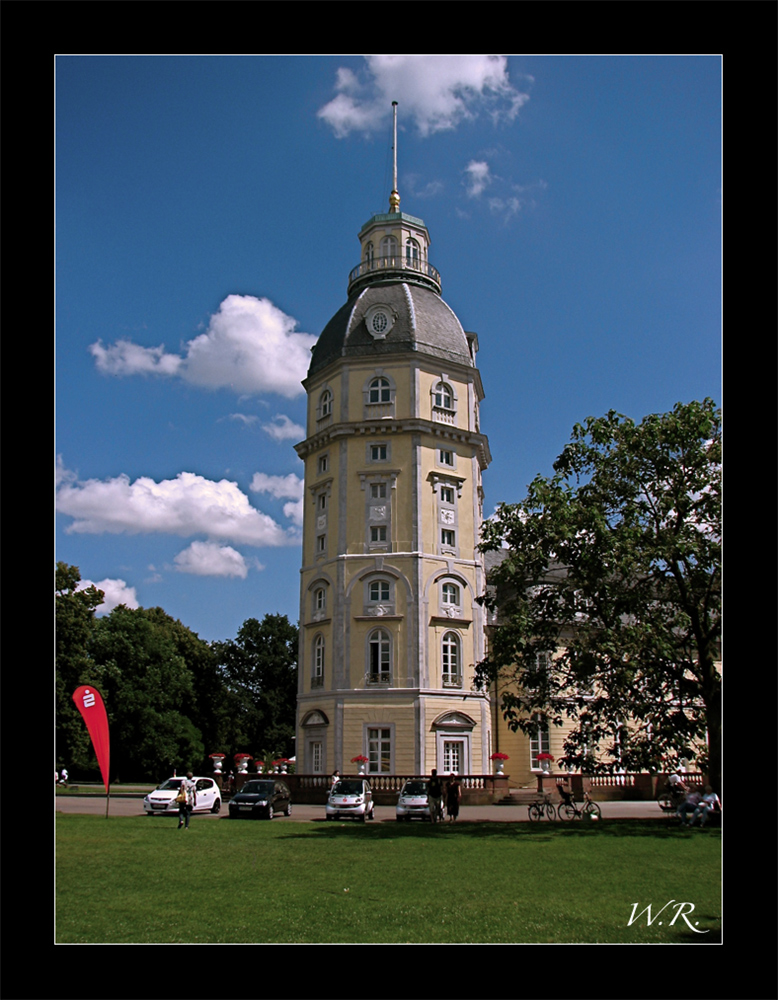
568, 809
542, 808
669, 799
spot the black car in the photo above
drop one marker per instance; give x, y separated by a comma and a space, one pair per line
261, 797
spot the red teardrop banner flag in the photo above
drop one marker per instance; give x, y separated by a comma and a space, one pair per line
89, 702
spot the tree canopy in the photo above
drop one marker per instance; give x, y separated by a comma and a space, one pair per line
259, 669
606, 595
171, 697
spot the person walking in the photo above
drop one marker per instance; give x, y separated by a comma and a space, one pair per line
434, 795
453, 798
187, 800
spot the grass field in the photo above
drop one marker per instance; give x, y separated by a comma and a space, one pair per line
131, 879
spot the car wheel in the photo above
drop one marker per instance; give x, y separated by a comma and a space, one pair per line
216, 806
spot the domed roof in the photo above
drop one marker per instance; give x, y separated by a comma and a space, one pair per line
385, 319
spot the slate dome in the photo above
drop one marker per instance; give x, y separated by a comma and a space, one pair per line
392, 318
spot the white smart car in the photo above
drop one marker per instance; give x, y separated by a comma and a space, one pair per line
413, 801
162, 801
350, 797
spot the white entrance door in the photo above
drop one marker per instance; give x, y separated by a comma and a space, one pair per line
453, 756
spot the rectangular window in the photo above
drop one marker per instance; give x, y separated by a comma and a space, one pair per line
317, 758
378, 534
446, 494
379, 751
321, 543
378, 491
447, 458
538, 744
447, 537
452, 756
322, 501
377, 452
323, 464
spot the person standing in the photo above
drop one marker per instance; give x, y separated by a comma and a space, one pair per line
453, 798
434, 795
185, 807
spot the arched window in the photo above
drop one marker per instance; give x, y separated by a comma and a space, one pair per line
379, 591
319, 602
379, 657
317, 671
380, 390
389, 251
369, 254
412, 253
444, 396
451, 660
450, 595
325, 404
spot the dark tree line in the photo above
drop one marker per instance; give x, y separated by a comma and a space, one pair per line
172, 698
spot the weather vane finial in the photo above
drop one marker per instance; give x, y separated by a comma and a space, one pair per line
394, 197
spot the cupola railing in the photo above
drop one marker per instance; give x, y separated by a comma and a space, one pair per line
398, 266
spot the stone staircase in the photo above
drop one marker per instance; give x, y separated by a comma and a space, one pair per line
519, 797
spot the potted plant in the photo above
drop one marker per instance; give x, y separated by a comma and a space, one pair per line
218, 760
361, 760
500, 758
545, 761
242, 762
281, 764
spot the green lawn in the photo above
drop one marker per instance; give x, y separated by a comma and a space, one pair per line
136, 879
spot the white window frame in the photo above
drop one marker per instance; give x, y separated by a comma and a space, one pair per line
380, 655
451, 674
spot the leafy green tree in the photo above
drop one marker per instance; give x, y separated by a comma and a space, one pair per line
149, 690
259, 668
75, 620
616, 561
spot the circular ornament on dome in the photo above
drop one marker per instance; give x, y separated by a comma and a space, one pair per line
379, 320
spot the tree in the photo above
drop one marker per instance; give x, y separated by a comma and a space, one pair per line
608, 597
149, 691
75, 619
260, 672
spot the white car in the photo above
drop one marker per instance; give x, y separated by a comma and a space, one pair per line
350, 797
162, 801
413, 800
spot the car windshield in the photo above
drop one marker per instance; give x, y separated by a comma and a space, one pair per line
415, 788
348, 788
170, 783
258, 788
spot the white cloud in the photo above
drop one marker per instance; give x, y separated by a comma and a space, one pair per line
116, 592
436, 92
290, 486
250, 347
186, 505
284, 429
211, 559
477, 178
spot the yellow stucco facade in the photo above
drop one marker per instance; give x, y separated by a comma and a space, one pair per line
390, 627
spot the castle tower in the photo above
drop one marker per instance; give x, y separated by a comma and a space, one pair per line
390, 630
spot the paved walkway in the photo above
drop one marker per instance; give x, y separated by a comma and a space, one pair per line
96, 805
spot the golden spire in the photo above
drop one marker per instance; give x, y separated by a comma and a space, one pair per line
394, 197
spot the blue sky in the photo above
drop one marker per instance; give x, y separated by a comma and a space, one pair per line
207, 211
